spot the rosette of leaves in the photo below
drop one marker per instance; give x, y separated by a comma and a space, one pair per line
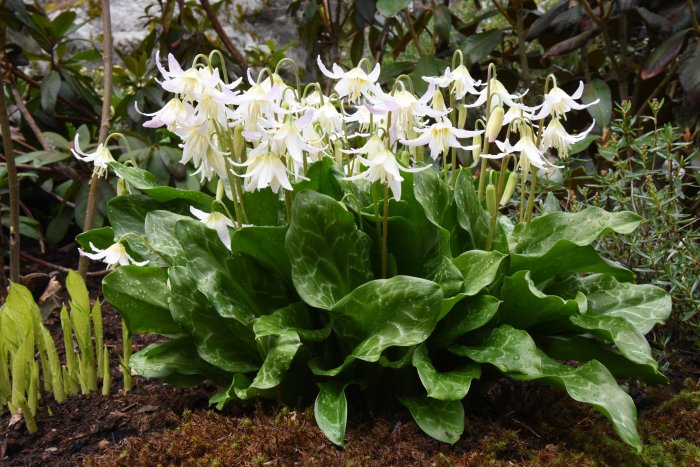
297, 311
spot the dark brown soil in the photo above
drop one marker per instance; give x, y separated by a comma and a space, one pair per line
507, 423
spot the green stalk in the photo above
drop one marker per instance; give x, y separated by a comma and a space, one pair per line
106, 376
99, 339
531, 198
54, 367
385, 230
492, 207
126, 351
5, 388
28, 416
71, 359
288, 204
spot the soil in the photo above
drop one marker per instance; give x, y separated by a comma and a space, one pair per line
507, 423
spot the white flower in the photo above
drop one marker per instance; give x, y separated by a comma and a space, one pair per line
440, 136
113, 256
382, 166
175, 113
217, 221
265, 168
557, 102
100, 158
460, 79
199, 146
260, 101
555, 136
192, 84
504, 97
527, 146
353, 83
330, 119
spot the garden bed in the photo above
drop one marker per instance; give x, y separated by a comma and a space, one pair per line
524, 423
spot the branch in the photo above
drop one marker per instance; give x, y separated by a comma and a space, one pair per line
13, 180
104, 122
238, 57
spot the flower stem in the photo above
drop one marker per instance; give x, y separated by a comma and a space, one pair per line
288, 204
531, 198
126, 349
385, 227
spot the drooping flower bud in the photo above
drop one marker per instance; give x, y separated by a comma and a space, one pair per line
439, 101
510, 188
491, 205
220, 190
405, 158
122, 188
476, 152
493, 127
462, 116
238, 143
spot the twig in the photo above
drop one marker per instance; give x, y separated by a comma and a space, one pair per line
414, 36
28, 213
383, 40
528, 428
58, 267
669, 75
104, 122
235, 53
13, 180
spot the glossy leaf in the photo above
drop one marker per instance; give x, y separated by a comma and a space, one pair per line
514, 353
688, 72
480, 45
391, 7
442, 420
296, 317
266, 245
662, 56
472, 217
159, 229
524, 305
468, 315
329, 255
140, 294
581, 228
331, 411
448, 386
479, 269
570, 44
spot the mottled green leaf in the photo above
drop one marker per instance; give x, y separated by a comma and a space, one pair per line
643, 305
566, 257
222, 342
514, 353
524, 305
452, 385
473, 218
468, 315
581, 228
266, 245
479, 269
295, 317
101, 238
331, 411
401, 311
329, 255
442, 420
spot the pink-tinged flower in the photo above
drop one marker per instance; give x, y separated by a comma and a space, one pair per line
353, 83
557, 102
265, 169
555, 136
381, 166
100, 157
440, 136
175, 113
112, 256
217, 221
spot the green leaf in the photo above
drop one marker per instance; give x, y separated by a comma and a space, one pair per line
263, 207
566, 257
602, 111
479, 269
175, 361
282, 349
480, 45
50, 86
295, 317
581, 228
401, 311
662, 56
80, 312
514, 353
140, 294
101, 238
266, 245
449, 386
331, 411
584, 349
212, 334
468, 315
391, 7
159, 229
442, 420
322, 178
473, 218
630, 342
643, 305
441, 20
329, 255
524, 305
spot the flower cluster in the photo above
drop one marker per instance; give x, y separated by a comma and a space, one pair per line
266, 134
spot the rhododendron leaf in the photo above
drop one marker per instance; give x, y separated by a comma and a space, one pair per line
514, 353
328, 253
442, 420
452, 385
